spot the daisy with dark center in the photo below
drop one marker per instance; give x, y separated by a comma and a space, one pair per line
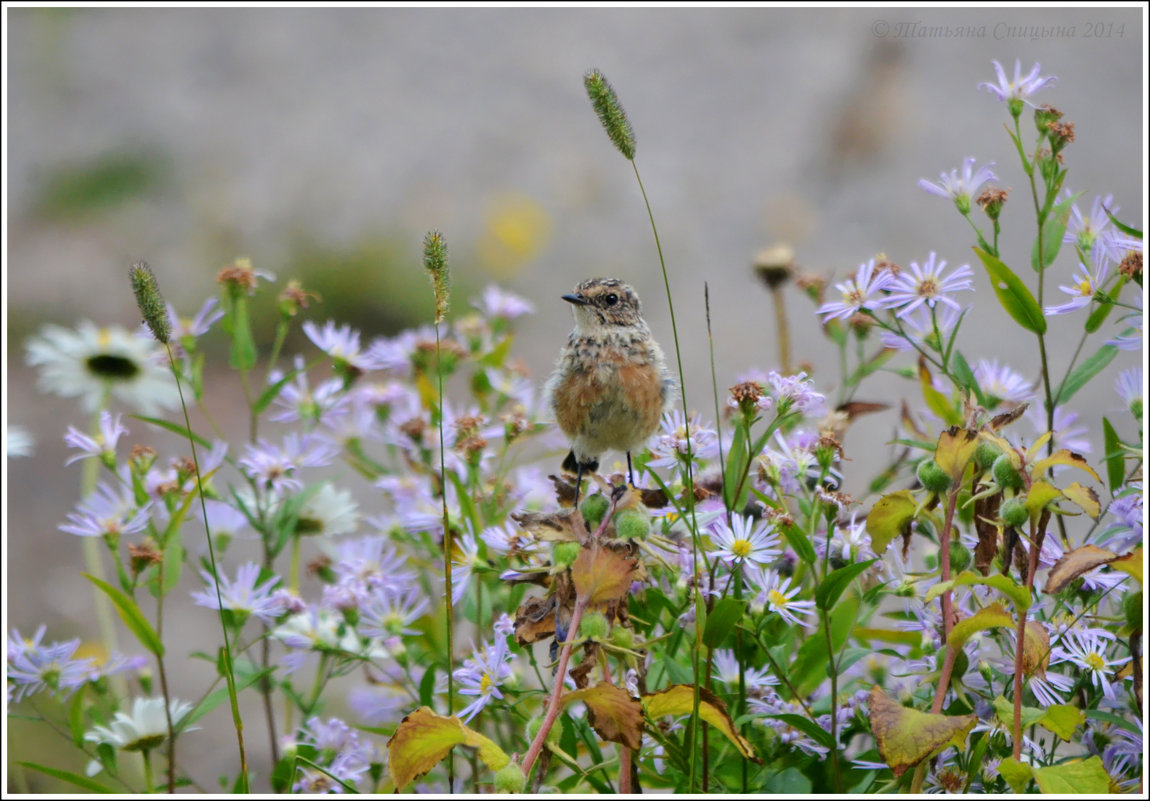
927, 285
93, 364
857, 293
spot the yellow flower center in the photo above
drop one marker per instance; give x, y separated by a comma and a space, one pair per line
1084, 288
778, 600
741, 548
1096, 662
485, 682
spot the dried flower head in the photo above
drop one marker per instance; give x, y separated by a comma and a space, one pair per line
435, 262
295, 298
611, 113
991, 200
775, 265
1131, 265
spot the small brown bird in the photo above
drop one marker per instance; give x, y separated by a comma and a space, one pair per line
611, 383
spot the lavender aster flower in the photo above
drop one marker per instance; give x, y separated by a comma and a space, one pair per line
745, 540
1001, 382
1021, 88
926, 284
499, 303
34, 667
242, 597
1081, 291
1129, 387
108, 513
857, 293
961, 187
482, 675
103, 446
670, 449
274, 467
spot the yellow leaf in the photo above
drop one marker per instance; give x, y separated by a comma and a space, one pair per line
993, 616
889, 518
1017, 774
1063, 719
906, 736
1073, 778
679, 700
1035, 649
955, 448
614, 714
1131, 564
1073, 564
602, 575
423, 738
1064, 457
1084, 498
1040, 494
935, 400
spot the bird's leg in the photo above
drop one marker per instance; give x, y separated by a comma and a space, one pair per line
578, 481
630, 472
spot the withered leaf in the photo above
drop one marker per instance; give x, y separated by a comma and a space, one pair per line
562, 526
906, 736
1062, 457
1130, 564
890, 516
985, 513
614, 714
1001, 421
855, 409
602, 574
1085, 498
679, 699
954, 451
423, 738
535, 620
1073, 564
1035, 649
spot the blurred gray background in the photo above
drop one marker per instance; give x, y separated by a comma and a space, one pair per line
324, 143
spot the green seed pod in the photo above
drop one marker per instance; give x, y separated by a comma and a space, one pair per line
594, 626
960, 556
563, 554
510, 779
623, 637
932, 477
961, 663
1013, 512
1005, 474
1132, 606
985, 454
533, 727
632, 524
593, 508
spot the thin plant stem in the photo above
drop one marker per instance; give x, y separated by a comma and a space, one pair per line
237, 719
782, 330
449, 613
699, 614
1019, 650
149, 782
164, 681
715, 393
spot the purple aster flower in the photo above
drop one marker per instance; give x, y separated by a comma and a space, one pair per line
1085, 231
482, 675
499, 303
727, 671
961, 187
242, 597
670, 449
1001, 382
919, 327
34, 667
1087, 649
1081, 291
745, 540
296, 399
927, 285
797, 391
108, 513
463, 564
777, 596
103, 445
390, 613
1021, 88
1066, 433
857, 293
341, 343
194, 328
1126, 512
274, 467
1129, 387
340, 751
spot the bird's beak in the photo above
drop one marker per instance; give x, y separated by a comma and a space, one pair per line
578, 300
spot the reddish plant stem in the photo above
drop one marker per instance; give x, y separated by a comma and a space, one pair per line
557, 691
947, 605
624, 770
1020, 647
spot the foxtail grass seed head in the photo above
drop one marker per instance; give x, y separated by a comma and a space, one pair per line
150, 301
435, 262
611, 113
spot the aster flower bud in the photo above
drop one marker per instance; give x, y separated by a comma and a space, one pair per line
1061, 134
435, 262
991, 200
594, 626
610, 112
150, 301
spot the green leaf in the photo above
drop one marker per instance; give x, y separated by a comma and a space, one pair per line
76, 716
131, 615
1110, 717
1017, 774
1112, 450
801, 544
1052, 232
1018, 594
1126, 229
72, 778
888, 518
427, 686
809, 668
270, 394
1084, 372
179, 430
721, 621
807, 727
1013, 294
1062, 719
1074, 778
220, 694
1099, 314
833, 586
1005, 711
965, 377
736, 462
993, 616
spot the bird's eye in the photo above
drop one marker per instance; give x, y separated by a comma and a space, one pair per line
611, 299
